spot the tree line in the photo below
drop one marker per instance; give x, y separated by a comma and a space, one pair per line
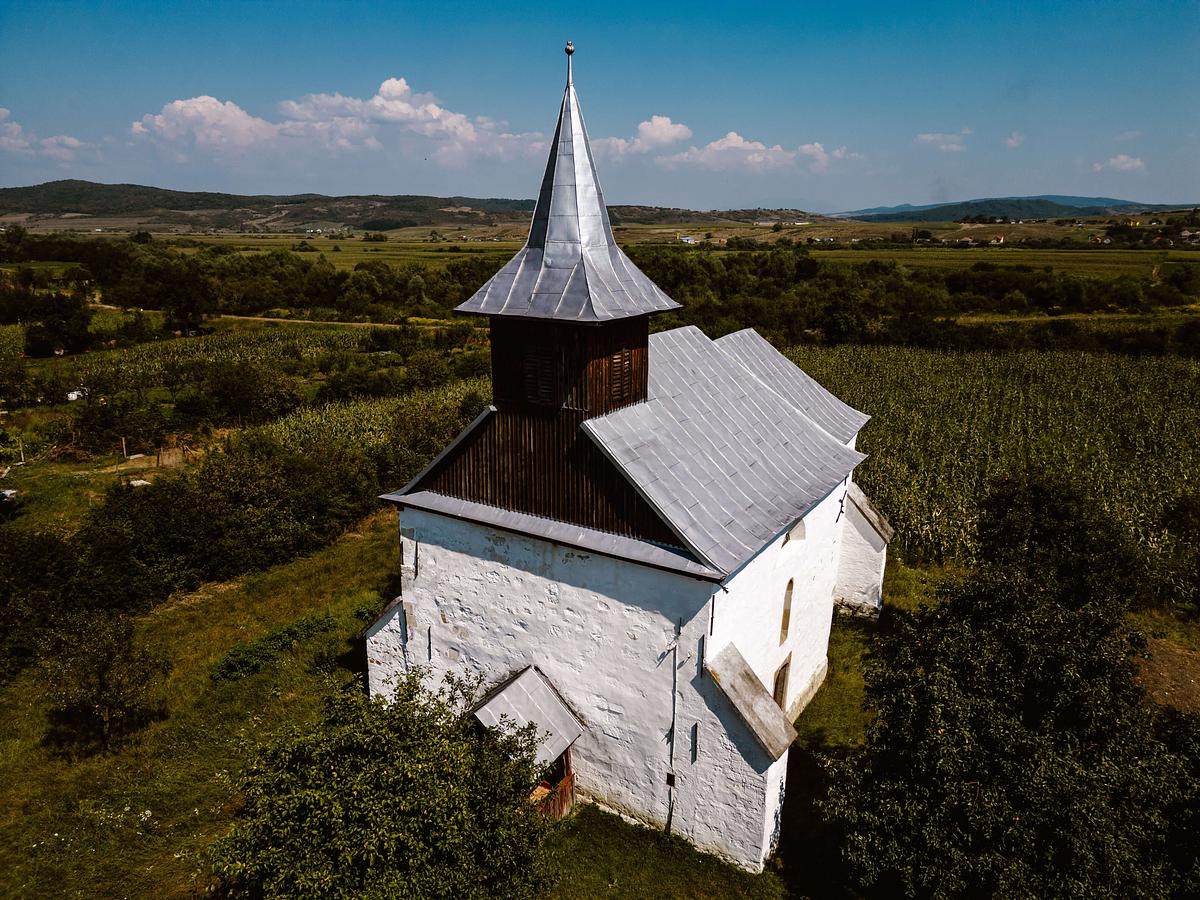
779, 289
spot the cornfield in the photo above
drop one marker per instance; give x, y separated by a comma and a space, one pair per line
150, 365
945, 425
12, 341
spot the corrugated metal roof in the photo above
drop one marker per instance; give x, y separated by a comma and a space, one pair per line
723, 457
570, 267
770, 366
529, 698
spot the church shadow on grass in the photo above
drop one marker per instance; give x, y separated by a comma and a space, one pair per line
809, 854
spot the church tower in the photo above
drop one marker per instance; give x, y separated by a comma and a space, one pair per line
569, 321
569, 312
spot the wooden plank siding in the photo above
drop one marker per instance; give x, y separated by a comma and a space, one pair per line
541, 462
531, 455
590, 368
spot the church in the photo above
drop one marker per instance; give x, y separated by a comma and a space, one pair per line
640, 544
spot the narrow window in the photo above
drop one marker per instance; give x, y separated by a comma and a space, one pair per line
787, 611
538, 374
781, 683
620, 376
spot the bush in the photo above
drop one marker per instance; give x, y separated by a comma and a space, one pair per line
246, 659
1013, 754
408, 798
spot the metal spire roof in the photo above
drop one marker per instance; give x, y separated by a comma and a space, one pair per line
570, 267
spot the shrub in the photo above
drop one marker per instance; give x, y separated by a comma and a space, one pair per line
1013, 754
248, 658
407, 798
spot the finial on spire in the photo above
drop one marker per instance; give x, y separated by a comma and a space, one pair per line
569, 50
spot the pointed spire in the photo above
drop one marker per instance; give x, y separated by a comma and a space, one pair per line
570, 267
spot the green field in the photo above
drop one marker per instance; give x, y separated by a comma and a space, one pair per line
946, 424
137, 823
351, 252
1097, 263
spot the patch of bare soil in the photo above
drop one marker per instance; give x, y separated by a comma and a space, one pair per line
1171, 675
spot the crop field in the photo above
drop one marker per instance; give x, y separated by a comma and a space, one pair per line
1096, 263
946, 424
352, 252
149, 365
12, 341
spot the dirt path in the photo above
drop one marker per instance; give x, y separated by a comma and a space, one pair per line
1171, 676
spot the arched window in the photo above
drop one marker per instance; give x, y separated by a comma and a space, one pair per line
795, 533
787, 611
781, 685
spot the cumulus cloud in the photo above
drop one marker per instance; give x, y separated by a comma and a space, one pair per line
732, 152
821, 159
395, 103
1122, 162
208, 124
653, 134
1014, 140
944, 141
12, 136
333, 123
735, 153
15, 139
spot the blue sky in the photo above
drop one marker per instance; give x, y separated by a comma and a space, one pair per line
824, 106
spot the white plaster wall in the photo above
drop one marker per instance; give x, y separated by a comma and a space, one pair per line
749, 613
860, 572
604, 632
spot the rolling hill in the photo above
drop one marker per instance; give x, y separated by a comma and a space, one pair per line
135, 206
1043, 206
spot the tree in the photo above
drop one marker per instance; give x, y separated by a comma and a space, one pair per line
1013, 754
62, 323
103, 684
407, 798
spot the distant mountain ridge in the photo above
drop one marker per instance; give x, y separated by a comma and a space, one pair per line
1042, 206
287, 212
222, 210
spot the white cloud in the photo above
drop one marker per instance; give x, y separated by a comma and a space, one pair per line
15, 139
1122, 162
395, 103
735, 153
332, 123
821, 159
1128, 136
62, 147
207, 124
1014, 140
732, 152
653, 134
944, 141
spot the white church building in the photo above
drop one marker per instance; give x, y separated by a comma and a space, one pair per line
640, 545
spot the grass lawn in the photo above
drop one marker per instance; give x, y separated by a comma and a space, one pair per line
137, 823
600, 855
